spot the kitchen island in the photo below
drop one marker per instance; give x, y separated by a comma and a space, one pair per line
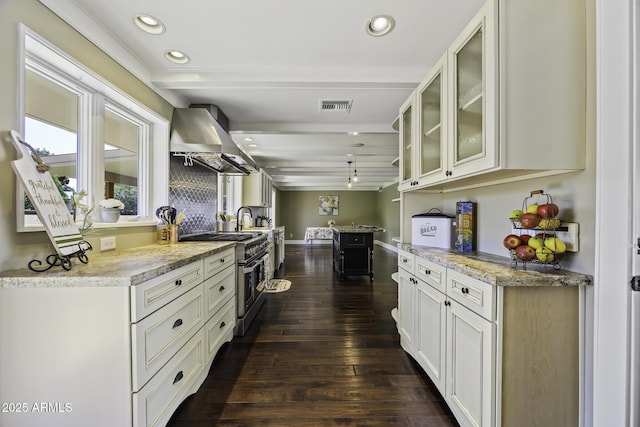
353, 250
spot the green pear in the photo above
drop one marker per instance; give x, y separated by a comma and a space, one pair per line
533, 208
535, 242
555, 244
516, 214
544, 254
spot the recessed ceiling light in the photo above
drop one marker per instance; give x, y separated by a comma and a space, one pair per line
357, 144
354, 133
148, 24
380, 25
252, 145
247, 139
176, 56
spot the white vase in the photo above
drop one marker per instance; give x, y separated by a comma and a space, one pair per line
110, 214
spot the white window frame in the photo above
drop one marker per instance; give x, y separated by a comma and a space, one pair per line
153, 163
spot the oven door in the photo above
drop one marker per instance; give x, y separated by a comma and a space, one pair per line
254, 279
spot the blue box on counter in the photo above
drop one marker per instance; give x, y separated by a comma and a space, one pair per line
465, 226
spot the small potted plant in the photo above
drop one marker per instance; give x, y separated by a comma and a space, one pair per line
110, 210
331, 223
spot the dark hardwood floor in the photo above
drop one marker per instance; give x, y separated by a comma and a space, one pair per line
324, 353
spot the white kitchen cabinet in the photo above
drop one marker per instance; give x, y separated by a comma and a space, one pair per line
431, 328
406, 300
407, 146
114, 355
499, 355
515, 100
256, 189
470, 366
425, 122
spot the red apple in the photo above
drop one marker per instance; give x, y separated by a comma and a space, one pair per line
525, 253
529, 220
512, 241
549, 210
525, 238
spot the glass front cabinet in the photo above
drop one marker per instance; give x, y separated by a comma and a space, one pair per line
506, 101
449, 135
473, 146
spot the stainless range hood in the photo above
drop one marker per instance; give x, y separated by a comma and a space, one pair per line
200, 133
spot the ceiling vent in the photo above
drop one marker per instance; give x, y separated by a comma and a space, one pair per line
342, 106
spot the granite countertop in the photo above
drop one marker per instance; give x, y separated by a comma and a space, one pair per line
126, 267
497, 270
357, 228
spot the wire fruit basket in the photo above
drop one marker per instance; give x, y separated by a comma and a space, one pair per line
534, 240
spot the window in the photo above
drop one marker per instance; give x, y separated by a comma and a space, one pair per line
94, 137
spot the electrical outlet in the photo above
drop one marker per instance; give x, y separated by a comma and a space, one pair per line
108, 243
290, 234
568, 233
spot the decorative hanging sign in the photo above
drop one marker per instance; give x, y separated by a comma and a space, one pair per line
49, 205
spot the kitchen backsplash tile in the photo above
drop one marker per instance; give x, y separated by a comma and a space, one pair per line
194, 188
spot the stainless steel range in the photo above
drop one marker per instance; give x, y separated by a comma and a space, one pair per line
252, 257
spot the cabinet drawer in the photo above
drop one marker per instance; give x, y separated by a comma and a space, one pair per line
153, 294
218, 289
406, 260
219, 261
432, 273
219, 329
158, 337
355, 240
477, 296
156, 402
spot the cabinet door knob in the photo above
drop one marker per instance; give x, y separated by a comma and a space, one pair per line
222, 325
178, 377
221, 288
176, 323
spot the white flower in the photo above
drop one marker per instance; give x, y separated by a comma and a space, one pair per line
331, 222
111, 203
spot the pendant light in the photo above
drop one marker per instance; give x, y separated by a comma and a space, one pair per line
355, 169
349, 180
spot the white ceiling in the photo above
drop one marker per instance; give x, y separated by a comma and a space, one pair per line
268, 63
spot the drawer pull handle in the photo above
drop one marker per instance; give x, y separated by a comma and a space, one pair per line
465, 290
222, 325
221, 289
177, 323
178, 377
221, 260
178, 282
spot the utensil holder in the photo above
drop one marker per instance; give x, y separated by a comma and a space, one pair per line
173, 233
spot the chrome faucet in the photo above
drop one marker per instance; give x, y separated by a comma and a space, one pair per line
238, 227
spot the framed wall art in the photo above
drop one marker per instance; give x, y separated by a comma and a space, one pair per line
328, 205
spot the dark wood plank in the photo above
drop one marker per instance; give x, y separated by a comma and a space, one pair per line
324, 353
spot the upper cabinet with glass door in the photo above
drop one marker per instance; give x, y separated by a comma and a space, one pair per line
515, 104
407, 178
473, 145
431, 154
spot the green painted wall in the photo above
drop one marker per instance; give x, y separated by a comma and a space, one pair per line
298, 210
19, 248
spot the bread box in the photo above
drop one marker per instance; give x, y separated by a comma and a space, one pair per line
432, 229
